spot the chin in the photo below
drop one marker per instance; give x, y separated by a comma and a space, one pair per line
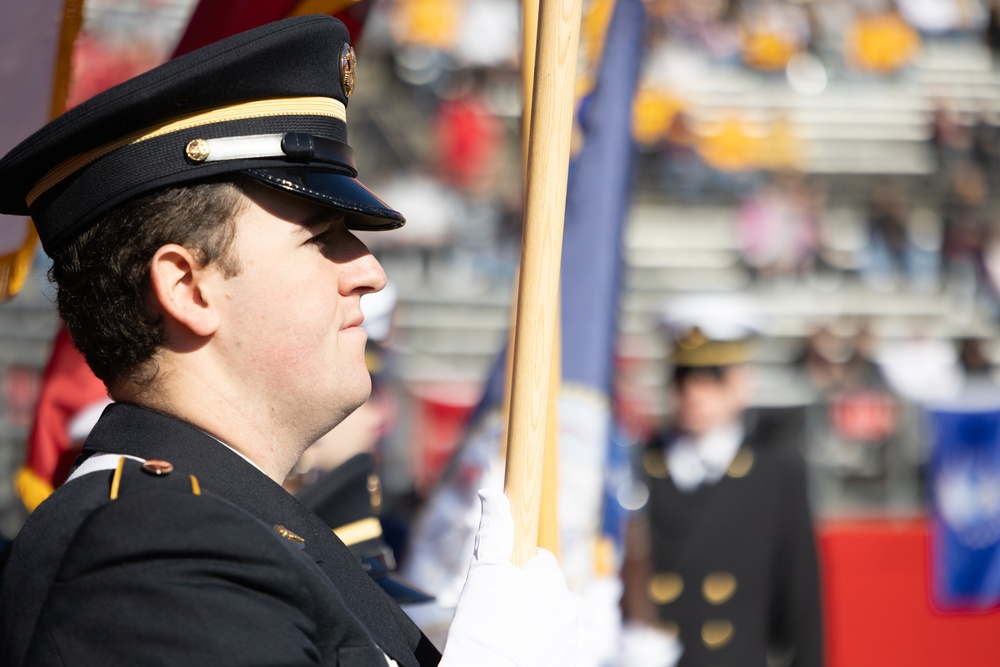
695, 426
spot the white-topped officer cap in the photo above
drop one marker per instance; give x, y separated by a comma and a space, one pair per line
714, 329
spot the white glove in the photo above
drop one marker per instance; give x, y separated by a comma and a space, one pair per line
511, 617
601, 620
644, 646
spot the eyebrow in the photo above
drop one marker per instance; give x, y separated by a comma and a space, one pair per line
322, 217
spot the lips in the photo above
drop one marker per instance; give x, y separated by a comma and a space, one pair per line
354, 322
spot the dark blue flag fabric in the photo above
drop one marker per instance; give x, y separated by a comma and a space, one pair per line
965, 484
589, 464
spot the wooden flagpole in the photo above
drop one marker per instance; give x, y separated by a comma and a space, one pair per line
552, 108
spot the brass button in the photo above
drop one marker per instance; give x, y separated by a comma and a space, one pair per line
716, 633
654, 464
718, 587
375, 493
197, 150
741, 464
665, 587
157, 467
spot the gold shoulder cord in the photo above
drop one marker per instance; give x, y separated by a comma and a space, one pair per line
117, 479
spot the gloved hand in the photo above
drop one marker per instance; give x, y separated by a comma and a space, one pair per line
601, 616
644, 646
511, 617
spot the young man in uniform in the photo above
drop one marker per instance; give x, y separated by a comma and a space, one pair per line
198, 218
723, 557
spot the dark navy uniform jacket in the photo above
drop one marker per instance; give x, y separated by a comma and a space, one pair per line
734, 568
189, 568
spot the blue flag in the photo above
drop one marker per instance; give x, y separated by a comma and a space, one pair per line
600, 176
965, 484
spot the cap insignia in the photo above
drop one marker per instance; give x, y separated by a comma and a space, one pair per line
348, 69
692, 339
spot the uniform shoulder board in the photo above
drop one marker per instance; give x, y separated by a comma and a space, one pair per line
131, 475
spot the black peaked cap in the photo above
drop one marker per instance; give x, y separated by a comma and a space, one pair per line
283, 79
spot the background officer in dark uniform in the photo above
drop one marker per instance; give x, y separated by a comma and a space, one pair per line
199, 222
723, 557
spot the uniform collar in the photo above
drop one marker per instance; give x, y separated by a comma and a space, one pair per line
139, 432
693, 461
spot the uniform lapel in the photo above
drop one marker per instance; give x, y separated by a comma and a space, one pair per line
126, 429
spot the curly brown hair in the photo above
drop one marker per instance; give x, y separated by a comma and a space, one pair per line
102, 276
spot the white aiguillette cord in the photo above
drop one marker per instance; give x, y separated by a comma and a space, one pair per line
99, 462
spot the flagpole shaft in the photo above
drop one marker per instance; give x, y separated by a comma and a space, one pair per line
541, 253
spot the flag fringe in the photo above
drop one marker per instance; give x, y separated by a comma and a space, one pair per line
31, 488
14, 266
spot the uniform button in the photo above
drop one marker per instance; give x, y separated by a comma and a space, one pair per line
157, 467
665, 587
718, 587
742, 463
654, 464
716, 633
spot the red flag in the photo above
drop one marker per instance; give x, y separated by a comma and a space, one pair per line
70, 393
214, 19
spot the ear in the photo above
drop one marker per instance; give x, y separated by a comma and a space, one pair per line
180, 285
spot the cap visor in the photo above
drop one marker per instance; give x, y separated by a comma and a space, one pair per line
362, 208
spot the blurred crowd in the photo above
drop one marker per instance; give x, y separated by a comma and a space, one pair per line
445, 147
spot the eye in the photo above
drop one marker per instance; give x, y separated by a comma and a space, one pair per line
322, 238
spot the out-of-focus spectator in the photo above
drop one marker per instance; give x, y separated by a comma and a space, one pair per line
858, 413
985, 137
432, 24
771, 33
777, 230
921, 366
964, 217
892, 255
991, 33
654, 112
881, 42
950, 139
942, 18
835, 358
731, 145
709, 25
990, 258
781, 149
468, 138
684, 170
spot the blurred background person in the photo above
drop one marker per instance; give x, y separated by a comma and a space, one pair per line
723, 558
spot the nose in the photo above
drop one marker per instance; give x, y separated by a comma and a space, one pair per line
374, 274
364, 274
